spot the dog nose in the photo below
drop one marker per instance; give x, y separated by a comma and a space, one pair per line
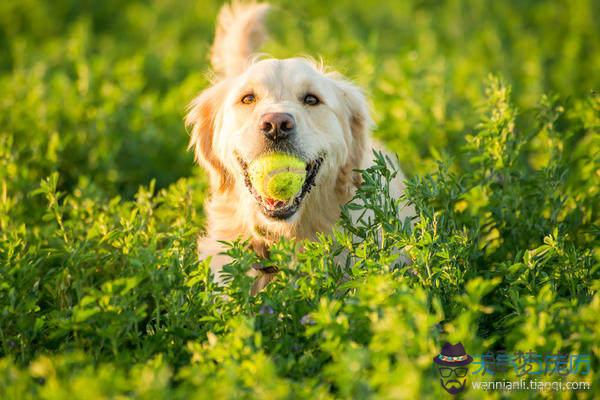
277, 126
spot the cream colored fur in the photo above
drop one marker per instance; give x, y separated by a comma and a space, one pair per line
240, 31
223, 129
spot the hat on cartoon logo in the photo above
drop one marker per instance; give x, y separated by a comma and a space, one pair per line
452, 366
453, 355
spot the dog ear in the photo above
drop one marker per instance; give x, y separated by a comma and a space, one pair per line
360, 125
201, 119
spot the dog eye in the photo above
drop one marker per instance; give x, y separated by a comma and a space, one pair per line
249, 99
311, 100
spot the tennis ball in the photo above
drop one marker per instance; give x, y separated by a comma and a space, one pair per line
277, 176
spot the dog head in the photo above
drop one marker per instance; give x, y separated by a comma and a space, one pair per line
291, 106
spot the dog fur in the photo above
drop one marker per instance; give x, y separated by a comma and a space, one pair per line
225, 135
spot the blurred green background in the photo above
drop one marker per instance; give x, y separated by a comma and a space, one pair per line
99, 89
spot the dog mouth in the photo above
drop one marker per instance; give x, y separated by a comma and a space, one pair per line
279, 209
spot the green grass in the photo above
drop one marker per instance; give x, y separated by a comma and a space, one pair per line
492, 108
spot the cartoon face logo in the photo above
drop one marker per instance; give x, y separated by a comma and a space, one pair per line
453, 368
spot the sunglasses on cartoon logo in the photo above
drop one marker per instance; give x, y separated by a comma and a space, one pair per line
446, 372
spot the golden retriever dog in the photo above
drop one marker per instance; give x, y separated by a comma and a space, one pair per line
261, 105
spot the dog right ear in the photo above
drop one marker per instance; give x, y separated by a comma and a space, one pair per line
201, 119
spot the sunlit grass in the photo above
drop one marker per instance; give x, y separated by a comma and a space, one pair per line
492, 108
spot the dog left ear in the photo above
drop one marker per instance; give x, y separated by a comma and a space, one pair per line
360, 124
201, 118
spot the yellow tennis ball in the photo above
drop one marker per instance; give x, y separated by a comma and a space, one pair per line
277, 176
